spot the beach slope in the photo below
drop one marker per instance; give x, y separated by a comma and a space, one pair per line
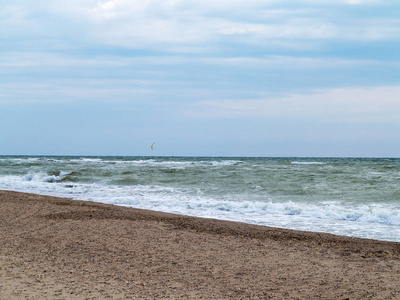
54, 248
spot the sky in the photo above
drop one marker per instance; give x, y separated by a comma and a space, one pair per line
200, 78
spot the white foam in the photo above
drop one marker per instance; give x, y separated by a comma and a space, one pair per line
20, 160
307, 163
43, 177
85, 159
379, 221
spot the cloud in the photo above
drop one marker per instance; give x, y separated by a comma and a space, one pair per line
362, 2
13, 14
253, 49
380, 104
294, 63
155, 23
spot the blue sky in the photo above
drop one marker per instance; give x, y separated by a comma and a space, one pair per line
212, 78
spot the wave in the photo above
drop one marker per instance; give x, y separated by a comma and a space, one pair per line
85, 160
265, 192
378, 213
187, 200
44, 177
307, 163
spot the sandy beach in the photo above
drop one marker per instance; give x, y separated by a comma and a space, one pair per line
54, 248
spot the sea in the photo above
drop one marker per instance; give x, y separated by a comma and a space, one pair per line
356, 197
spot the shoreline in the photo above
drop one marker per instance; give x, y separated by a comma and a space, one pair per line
56, 248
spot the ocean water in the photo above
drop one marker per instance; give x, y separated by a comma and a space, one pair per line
355, 197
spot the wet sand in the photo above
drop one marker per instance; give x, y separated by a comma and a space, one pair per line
54, 248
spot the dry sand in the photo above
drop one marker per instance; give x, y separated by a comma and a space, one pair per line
53, 248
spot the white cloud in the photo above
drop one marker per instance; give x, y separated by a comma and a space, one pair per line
13, 14
131, 23
72, 91
282, 62
362, 2
380, 104
138, 24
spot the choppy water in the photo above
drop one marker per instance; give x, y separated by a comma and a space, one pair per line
345, 196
